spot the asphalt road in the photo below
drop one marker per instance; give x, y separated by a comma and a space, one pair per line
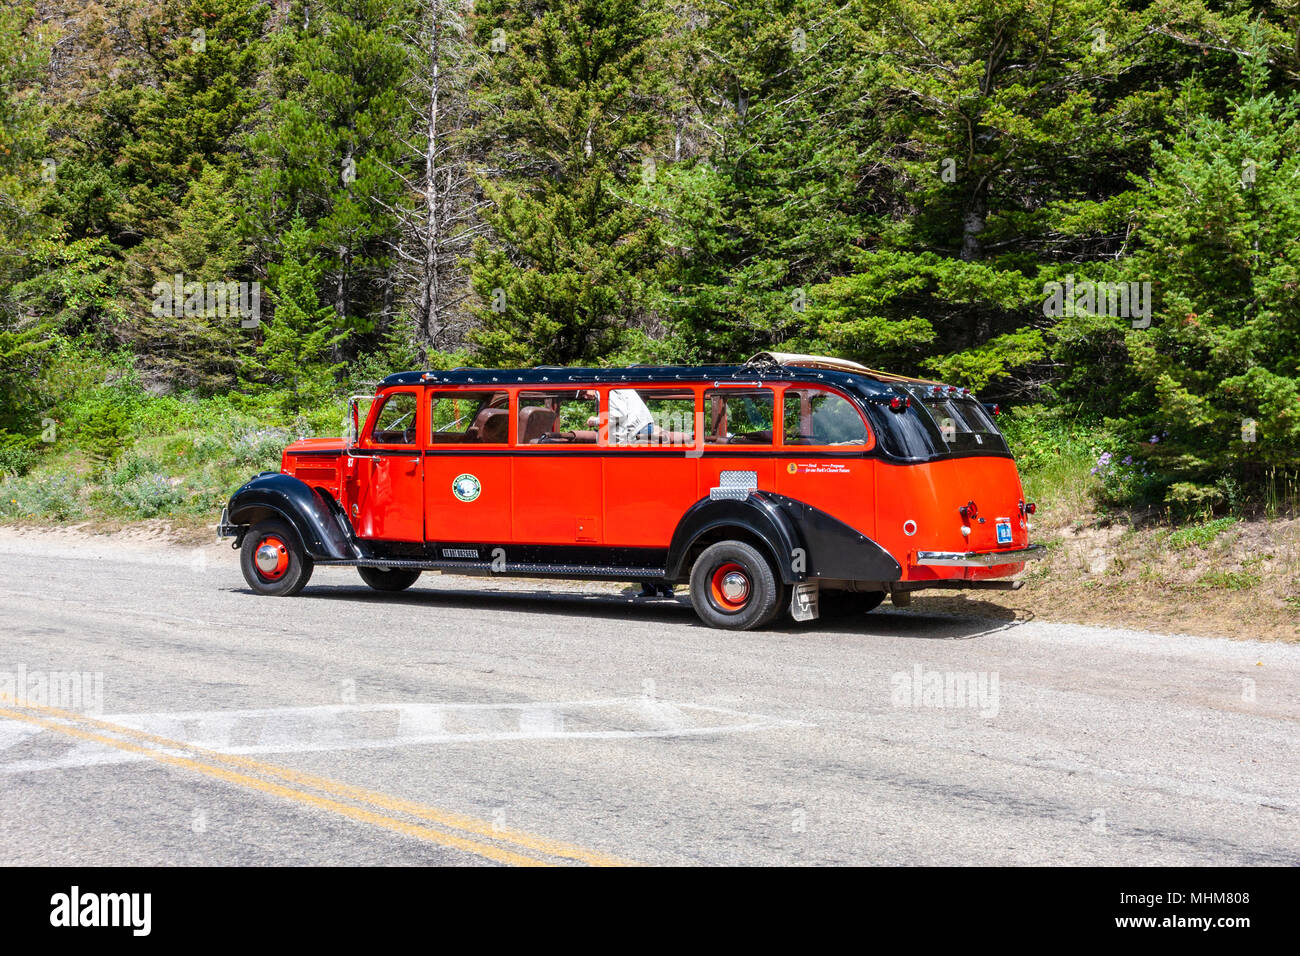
473, 721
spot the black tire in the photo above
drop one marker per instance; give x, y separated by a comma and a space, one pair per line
842, 604
762, 588
281, 582
390, 579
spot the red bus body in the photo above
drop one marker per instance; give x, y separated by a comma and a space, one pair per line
897, 499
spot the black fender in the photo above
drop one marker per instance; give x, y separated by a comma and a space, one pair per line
756, 514
312, 515
803, 541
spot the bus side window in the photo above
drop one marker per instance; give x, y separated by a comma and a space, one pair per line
461, 417
567, 416
650, 416
395, 424
813, 416
739, 417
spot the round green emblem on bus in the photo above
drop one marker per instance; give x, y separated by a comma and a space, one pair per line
466, 487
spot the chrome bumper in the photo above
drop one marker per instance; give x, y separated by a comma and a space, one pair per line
225, 529
979, 559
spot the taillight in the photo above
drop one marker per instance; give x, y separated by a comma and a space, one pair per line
899, 405
968, 512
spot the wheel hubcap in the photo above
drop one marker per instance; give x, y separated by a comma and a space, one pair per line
271, 558
735, 587
730, 586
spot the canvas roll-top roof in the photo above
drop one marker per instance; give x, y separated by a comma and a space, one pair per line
764, 367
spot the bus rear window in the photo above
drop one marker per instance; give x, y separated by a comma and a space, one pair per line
963, 423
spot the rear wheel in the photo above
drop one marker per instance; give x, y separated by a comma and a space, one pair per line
733, 586
273, 560
389, 579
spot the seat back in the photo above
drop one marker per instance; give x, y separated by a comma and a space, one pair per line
534, 422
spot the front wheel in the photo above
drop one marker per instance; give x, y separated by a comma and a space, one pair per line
273, 560
733, 586
389, 579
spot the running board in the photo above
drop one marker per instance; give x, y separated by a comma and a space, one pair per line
487, 568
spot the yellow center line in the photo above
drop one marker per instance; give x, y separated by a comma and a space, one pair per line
385, 801
266, 786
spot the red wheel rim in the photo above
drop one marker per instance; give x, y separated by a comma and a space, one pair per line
271, 558
730, 587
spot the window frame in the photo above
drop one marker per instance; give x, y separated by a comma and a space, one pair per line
516, 408
868, 445
679, 388
433, 391
377, 409
772, 388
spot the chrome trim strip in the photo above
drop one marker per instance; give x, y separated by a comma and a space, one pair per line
978, 559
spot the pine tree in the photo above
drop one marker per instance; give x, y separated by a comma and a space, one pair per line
330, 148
568, 115
441, 223
1218, 372
1004, 135
294, 355
763, 211
24, 186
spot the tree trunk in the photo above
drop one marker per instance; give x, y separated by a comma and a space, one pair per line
428, 308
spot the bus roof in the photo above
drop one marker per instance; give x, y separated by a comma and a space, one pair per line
867, 382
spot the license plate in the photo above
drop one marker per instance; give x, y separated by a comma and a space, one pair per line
1004, 531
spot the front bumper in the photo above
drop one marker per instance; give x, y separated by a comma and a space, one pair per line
225, 529
978, 559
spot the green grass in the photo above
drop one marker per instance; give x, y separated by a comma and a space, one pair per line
1228, 580
1199, 534
1055, 452
179, 457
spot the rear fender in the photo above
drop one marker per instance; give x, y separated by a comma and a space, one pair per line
802, 541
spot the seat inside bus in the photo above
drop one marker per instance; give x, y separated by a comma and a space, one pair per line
535, 421
491, 426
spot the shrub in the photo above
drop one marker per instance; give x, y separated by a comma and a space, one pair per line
146, 495
54, 497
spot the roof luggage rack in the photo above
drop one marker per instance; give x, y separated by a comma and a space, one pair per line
768, 359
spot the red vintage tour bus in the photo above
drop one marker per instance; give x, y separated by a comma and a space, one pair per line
797, 484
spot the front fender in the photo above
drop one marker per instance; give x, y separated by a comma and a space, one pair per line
272, 494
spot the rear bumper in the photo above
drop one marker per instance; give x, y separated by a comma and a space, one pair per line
978, 559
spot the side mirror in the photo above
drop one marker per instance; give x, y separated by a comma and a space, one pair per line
352, 423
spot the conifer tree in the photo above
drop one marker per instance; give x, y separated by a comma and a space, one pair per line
569, 114
294, 355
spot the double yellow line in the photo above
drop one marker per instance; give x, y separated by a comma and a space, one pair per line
471, 835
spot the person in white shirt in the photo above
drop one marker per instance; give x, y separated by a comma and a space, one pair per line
630, 420
629, 417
